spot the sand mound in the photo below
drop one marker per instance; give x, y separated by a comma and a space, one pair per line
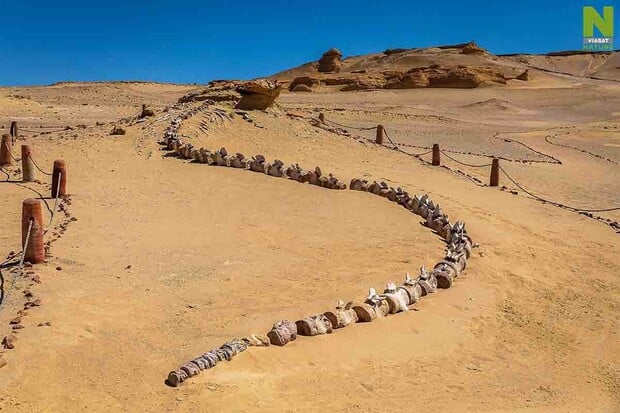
495, 105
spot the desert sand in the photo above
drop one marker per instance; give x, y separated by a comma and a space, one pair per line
168, 258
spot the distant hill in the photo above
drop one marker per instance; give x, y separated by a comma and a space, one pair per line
603, 65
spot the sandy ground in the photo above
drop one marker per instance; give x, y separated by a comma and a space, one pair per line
217, 253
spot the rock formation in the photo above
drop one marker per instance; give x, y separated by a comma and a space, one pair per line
411, 79
446, 76
308, 81
217, 91
365, 83
472, 48
524, 76
117, 130
258, 95
146, 112
301, 88
330, 61
389, 52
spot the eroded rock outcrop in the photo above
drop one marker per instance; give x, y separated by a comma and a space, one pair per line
465, 77
472, 48
217, 91
330, 61
524, 76
258, 94
307, 81
365, 83
411, 79
301, 88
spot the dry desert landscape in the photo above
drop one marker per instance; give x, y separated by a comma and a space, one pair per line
153, 257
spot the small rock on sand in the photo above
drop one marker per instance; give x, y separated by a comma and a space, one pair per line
8, 342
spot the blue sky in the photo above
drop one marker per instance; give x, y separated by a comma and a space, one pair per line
196, 41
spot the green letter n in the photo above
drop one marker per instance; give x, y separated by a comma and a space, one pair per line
604, 24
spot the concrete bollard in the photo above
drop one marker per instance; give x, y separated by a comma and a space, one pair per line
6, 146
380, 133
322, 117
28, 171
59, 178
494, 180
436, 155
34, 251
14, 131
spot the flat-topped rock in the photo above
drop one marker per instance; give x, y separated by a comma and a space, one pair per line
258, 94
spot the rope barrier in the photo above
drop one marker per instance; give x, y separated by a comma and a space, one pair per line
553, 202
549, 141
53, 212
553, 160
20, 268
415, 155
10, 259
42, 129
10, 152
1, 288
37, 166
410, 145
8, 177
464, 163
508, 140
350, 127
482, 154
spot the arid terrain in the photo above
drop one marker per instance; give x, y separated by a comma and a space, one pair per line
168, 258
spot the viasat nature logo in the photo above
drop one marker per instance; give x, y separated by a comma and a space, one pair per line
604, 25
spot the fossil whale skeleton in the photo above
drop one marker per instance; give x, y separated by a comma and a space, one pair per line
394, 299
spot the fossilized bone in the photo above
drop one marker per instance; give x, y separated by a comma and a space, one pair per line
276, 169
258, 340
374, 188
423, 206
356, 184
331, 182
295, 172
384, 189
314, 325
397, 298
282, 333
445, 272
427, 281
413, 288
461, 242
187, 152
378, 302
459, 258
341, 316
237, 161
208, 360
313, 177
257, 164
395, 195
